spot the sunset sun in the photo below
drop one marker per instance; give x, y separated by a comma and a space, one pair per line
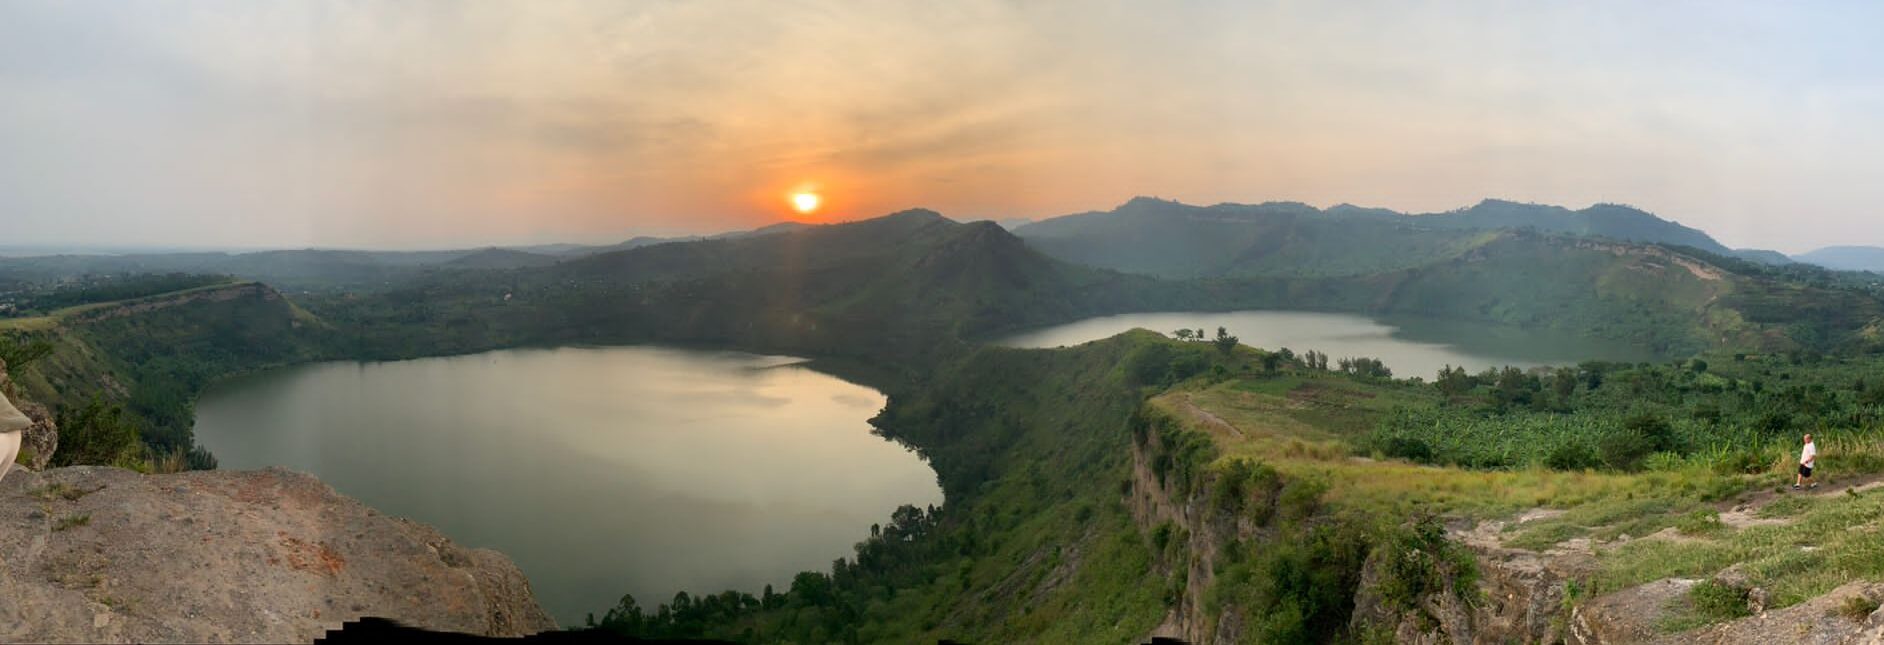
805, 202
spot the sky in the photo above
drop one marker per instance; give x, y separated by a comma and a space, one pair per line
421, 124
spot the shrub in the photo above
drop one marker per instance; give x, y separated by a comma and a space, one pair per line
97, 434
1244, 486
1571, 455
1302, 498
1624, 449
1419, 560
1411, 449
1714, 602
1740, 461
1857, 608
1161, 536
1653, 429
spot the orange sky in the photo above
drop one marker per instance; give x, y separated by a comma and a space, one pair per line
274, 123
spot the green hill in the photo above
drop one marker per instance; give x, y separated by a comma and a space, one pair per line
1612, 221
1498, 262
1174, 240
907, 284
152, 355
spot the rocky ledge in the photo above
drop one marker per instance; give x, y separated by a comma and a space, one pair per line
92, 554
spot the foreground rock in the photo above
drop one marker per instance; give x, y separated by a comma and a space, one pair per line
107, 555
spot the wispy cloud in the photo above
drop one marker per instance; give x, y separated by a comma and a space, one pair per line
261, 122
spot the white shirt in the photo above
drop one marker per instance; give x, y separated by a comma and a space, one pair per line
1810, 452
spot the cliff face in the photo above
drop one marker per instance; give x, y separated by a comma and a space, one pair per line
92, 554
1520, 595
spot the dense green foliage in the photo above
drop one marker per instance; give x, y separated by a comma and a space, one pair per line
97, 433
1618, 416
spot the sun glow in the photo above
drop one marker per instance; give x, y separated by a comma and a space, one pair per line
806, 202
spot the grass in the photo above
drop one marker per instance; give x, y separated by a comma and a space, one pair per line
60, 490
1856, 608
1708, 602
72, 521
1824, 545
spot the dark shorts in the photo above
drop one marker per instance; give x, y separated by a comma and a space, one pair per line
1805, 471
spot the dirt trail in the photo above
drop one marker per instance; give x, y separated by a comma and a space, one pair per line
1209, 419
1744, 512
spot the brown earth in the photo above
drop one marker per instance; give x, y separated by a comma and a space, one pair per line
91, 554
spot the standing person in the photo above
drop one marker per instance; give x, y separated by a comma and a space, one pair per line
13, 425
1808, 458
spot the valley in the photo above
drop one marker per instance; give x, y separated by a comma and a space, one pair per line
1078, 483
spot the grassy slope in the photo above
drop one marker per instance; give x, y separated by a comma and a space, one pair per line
1305, 424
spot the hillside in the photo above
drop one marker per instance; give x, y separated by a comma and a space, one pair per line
154, 354
1498, 262
907, 284
1175, 240
1612, 221
1172, 240
495, 258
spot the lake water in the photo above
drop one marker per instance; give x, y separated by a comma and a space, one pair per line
600, 471
1410, 347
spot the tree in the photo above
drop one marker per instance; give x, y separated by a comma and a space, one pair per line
1271, 360
1225, 342
1453, 381
1182, 334
1563, 382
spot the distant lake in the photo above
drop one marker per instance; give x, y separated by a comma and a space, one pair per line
600, 471
1410, 347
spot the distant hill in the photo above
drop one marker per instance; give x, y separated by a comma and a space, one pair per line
495, 258
1175, 240
1846, 258
908, 283
1763, 256
328, 269
1613, 221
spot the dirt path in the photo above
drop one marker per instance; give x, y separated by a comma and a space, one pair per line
1744, 512
1209, 419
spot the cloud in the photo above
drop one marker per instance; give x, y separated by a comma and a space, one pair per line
431, 123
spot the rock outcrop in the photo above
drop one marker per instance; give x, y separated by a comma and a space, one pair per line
39, 441
91, 554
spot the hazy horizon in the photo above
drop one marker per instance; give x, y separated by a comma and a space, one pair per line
447, 125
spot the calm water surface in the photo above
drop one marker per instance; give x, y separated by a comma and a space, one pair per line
600, 471
1410, 347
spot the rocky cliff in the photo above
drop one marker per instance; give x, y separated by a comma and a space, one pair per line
91, 554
